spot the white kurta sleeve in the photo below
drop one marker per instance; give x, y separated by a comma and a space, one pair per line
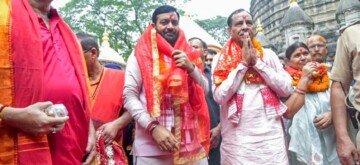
200, 79
230, 85
132, 88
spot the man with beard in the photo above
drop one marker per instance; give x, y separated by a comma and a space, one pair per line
164, 92
318, 48
248, 81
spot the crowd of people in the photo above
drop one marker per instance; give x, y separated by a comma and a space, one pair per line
190, 104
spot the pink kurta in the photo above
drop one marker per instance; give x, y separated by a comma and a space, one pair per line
258, 135
62, 87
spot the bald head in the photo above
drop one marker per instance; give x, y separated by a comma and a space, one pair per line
318, 48
316, 37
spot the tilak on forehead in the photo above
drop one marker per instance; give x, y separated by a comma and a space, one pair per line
302, 50
172, 15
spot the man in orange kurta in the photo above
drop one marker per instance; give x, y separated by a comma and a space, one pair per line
41, 65
106, 89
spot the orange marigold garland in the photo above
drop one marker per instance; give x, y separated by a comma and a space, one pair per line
320, 82
295, 75
321, 79
257, 45
230, 57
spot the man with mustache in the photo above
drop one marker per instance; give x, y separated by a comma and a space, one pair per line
165, 93
248, 81
318, 48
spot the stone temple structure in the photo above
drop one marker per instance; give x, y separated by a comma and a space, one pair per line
348, 12
296, 24
287, 21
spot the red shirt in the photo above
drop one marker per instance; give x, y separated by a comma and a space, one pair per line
62, 86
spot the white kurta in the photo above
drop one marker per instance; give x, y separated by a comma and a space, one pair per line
309, 145
258, 138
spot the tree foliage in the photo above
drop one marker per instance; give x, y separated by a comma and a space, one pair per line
125, 20
217, 27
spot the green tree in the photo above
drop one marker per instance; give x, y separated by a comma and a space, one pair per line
125, 20
216, 27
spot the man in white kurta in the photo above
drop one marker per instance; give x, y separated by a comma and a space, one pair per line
248, 81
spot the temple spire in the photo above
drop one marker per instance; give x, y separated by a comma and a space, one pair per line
105, 39
293, 1
259, 27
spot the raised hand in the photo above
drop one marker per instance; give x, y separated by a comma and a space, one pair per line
182, 60
308, 69
248, 53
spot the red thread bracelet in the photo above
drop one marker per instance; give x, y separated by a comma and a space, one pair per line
152, 125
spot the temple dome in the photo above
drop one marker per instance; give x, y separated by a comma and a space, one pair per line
192, 29
109, 55
295, 15
348, 12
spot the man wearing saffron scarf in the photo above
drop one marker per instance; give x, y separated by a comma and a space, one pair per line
41, 64
248, 82
164, 92
106, 90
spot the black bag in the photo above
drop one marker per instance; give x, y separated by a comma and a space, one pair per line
354, 117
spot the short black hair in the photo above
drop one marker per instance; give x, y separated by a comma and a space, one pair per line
203, 43
291, 49
163, 9
212, 52
229, 19
87, 41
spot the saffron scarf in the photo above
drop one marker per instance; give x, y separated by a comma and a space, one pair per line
230, 57
21, 73
106, 107
320, 82
107, 104
190, 108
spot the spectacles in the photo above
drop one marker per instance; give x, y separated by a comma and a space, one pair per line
313, 46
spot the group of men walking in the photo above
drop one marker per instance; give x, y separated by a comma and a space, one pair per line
164, 90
